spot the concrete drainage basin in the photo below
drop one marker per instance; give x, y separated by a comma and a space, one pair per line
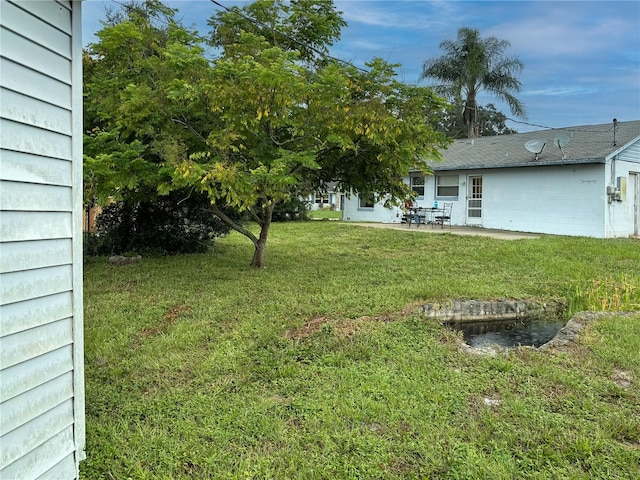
501, 324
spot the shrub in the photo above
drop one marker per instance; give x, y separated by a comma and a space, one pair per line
294, 209
169, 225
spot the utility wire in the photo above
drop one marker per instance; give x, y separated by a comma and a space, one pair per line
238, 12
325, 55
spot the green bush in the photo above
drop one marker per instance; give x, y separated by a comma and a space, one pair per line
294, 209
169, 225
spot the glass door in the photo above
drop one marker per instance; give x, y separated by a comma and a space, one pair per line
474, 200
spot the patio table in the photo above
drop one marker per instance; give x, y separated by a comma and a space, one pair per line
423, 215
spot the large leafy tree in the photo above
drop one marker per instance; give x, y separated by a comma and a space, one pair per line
309, 27
132, 129
131, 124
266, 119
471, 64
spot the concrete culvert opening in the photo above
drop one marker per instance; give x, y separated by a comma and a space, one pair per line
502, 324
525, 332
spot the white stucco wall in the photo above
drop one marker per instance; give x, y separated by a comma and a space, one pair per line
378, 213
562, 200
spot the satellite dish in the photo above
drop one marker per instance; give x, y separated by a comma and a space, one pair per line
535, 146
560, 141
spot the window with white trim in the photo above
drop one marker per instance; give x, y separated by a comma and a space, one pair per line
321, 198
447, 185
366, 200
417, 184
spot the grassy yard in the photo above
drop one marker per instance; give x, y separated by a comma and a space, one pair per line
316, 367
322, 214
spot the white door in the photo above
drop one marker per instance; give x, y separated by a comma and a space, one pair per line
474, 200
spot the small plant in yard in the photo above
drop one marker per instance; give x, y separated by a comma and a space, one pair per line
614, 293
199, 366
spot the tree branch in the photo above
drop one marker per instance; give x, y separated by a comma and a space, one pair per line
238, 228
191, 129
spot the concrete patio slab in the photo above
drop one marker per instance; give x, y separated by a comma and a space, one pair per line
454, 230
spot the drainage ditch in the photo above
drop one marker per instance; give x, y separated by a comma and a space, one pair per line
532, 332
501, 324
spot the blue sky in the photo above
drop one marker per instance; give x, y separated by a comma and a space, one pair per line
582, 58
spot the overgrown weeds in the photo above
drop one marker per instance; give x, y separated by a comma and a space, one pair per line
610, 294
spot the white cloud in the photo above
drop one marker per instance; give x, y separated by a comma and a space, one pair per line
563, 91
396, 14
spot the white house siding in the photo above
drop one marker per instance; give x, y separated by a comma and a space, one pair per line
42, 432
620, 221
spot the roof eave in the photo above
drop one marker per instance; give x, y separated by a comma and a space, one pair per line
540, 163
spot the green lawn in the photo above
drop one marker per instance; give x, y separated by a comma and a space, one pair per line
322, 214
316, 367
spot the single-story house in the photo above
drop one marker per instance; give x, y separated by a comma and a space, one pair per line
42, 422
580, 181
331, 198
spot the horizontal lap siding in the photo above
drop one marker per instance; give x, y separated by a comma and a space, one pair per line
24, 376
36, 402
42, 427
32, 83
40, 461
22, 167
17, 317
18, 256
31, 111
19, 226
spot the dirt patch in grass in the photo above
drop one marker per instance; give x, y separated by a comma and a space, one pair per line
347, 326
622, 379
167, 320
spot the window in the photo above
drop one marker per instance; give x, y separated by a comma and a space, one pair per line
320, 198
417, 185
447, 186
366, 200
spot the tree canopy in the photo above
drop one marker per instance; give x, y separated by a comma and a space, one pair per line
471, 64
489, 122
261, 122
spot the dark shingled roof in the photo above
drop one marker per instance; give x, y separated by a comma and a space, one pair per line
587, 144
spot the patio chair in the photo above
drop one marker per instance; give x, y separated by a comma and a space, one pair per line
445, 217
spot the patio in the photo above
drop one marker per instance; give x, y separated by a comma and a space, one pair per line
454, 230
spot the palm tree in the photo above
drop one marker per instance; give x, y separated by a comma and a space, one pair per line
471, 64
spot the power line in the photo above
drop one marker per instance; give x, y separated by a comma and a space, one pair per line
238, 12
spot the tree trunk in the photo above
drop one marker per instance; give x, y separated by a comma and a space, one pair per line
470, 117
471, 130
261, 243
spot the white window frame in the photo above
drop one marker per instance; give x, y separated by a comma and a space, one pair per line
417, 184
366, 201
451, 187
321, 199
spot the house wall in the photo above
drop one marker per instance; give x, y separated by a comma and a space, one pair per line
42, 431
562, 200
622, 212
378, 213
316, 201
